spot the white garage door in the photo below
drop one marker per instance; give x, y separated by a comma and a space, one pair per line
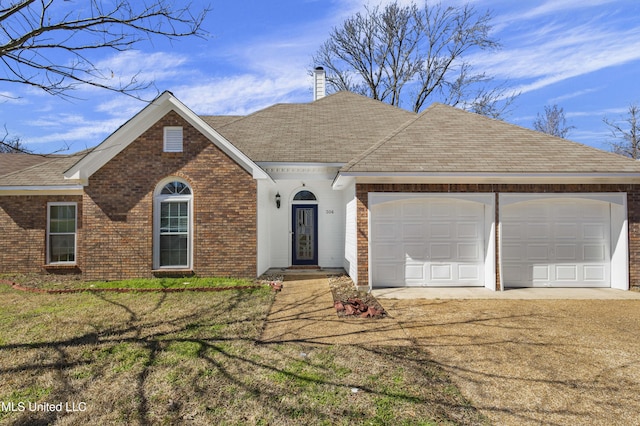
556, 243
427, 242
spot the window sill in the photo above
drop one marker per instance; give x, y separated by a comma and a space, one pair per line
61, 266
172, 272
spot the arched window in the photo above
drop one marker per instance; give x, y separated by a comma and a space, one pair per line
172, 225
176, 188
304, 196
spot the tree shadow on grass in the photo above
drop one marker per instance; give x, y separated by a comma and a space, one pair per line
141, 359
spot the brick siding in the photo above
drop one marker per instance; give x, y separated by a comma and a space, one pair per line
633, 214
23, 231
115, 226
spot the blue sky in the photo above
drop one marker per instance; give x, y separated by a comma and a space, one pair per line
583, 55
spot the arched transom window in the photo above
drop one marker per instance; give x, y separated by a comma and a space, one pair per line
172, 225
176, 188
304, 196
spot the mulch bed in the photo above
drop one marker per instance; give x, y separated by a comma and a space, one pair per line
351, 303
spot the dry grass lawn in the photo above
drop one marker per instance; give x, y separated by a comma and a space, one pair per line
158, 358
551, 362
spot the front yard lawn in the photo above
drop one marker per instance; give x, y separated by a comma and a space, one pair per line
196, 358
59, 282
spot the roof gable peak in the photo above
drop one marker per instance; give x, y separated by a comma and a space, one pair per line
141, 122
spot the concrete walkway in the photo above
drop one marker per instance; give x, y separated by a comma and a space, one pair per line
469, 293
303, 312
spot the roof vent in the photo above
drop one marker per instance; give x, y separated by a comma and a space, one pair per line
319, 86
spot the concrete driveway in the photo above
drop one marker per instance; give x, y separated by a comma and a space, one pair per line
551, 362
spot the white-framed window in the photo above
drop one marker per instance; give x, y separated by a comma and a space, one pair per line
62, 226
173, 139
173, 219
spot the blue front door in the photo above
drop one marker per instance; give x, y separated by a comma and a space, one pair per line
305, 234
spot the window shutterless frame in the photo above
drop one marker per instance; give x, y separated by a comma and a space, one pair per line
173, 225
62, 229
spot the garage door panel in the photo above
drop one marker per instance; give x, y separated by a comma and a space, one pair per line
566, 231
413, 251
594, 252
511, 252
440, 251
567, 247
511, 231
539, 273
415, 271
385, 231
440, 230
441, 243
537, 252
469, 230
594, 231
536, 231
594, 272
390, 273
440, 209
387, 251
413, 231
566, 272
468, 251
468, 273
441, 272
566, 252
412, 210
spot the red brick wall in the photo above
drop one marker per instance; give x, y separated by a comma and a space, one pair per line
23, 231
118, 208
633, 204
115, 215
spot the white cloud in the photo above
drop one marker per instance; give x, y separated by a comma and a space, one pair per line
78, 130
243, 94
555, 52
572, 95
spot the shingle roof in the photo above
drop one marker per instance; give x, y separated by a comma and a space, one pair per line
447, 139
216, 121
38, 170
370, 136
12, 162
333, 129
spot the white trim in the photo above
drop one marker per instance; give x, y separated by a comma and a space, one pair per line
140, 123
620, 248
158, 199
42, 190
301, 171
486, 178
75, 233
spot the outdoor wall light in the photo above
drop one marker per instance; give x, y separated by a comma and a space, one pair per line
278, 200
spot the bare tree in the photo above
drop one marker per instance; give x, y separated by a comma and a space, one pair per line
47, 43
627, 133
553, 122
14, 144
406, 54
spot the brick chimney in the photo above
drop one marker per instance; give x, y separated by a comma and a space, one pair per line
319, 86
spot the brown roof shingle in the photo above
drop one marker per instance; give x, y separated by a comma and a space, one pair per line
333, 129
43, 170
447, 139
